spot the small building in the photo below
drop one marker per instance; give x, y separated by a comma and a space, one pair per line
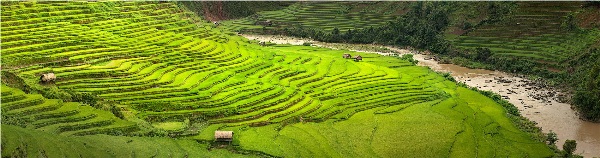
347, 56
226, 136
47, 77
358, 58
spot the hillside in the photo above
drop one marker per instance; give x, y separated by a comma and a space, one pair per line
554, 41
536, 33
557, 41
321, 15
224, 10
19, 142
154, 73
54, 116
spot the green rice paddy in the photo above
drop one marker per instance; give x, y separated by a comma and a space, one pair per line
169, 72
322, 15
532, 33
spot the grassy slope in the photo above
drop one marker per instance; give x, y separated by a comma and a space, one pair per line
160, 66
54, 116
232, 9
533, 34
323, 15
21, 142
532, 31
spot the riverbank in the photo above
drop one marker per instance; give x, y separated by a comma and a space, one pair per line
535, 101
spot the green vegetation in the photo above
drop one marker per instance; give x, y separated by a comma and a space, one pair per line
587, 95
540, 39
422, 27
415, 24
533, 35
231, 9
19, 142
325, 16
54, 116
152, 70
570, 146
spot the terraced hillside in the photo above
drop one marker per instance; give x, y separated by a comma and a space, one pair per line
55, 116
322, 15
168, 71
533, 33
20, 142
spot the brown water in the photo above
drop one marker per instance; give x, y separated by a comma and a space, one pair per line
536, 103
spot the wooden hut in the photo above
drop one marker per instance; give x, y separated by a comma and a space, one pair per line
226, 136
347, 56
47, 77
358, 58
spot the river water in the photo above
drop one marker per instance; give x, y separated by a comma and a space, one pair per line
537, 103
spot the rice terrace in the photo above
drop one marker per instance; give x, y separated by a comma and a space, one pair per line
184, 79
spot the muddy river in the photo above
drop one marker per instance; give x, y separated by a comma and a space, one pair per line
535, 102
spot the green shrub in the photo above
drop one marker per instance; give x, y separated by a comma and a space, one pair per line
570, 23
569, 147
409, 58
551, 138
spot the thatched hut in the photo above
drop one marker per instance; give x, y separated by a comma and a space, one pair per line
358, 58
47, 77
224, 136
347, 56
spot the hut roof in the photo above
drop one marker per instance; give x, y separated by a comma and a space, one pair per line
48, 77
223, 134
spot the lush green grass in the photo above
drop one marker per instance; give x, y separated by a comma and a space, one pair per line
170, 126
54, 116
432, 129
161, 69
21, 142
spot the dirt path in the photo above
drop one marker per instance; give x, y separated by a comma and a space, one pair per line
536, 102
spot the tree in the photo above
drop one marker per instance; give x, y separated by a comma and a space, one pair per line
569, 147
335, 31
592, 4
587, 97
498, 11
483, 54
551, 137
569, 24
